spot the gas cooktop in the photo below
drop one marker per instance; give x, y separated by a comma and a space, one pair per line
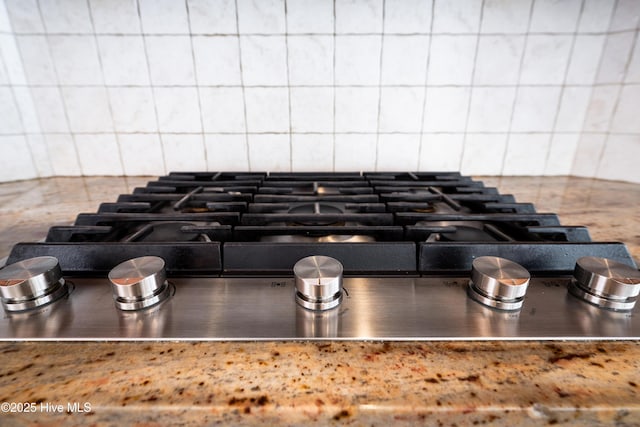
219, 256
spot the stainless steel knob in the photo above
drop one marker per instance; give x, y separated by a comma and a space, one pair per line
318, 282
139, 283
31, 283
498, 283
605, 283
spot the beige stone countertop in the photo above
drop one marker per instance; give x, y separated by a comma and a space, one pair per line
328, 382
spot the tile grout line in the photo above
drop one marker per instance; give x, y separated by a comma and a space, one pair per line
198, 87
60, 93
286, 48
333, 83
471, 86
106, 90
562, 90
616, 104
425, 92
377, 147
153, 92
517, 87
242, 86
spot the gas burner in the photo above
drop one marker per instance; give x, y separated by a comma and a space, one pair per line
331, 238
170, 231
316, 208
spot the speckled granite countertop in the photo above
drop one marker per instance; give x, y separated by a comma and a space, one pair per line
320, 383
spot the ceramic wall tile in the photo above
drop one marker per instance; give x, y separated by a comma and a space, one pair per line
545, 59
483, 154
36, 60
310, 60
226, 152
404, 59
312, 109
596, 15
101, 151
76, 60
310, 16
217, 60
457, 17
142, 154
620, 158
163, 17
21, 165
123, 60
491, 109
401, 109
223, 109
184, 152
535, 109
178, 109
526, 154
505, 17
66, 16
357, 60
267, 109
356, 109
451, 60
170, 60
363, 16
115, 16
397, 152
498, 59
441, 151
354, 153
311, 153
212, 16
261, 17
24, 16
446, 109
269, 153
88, 109
264, 60
552, 16
133, 109
408, 16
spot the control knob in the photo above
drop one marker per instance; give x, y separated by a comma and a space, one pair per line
31, 283
139, 283
605, 283
318, 282
498, 283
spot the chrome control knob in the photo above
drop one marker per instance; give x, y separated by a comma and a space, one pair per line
139, 283
606, 283
498, 283
31, 283
318, 282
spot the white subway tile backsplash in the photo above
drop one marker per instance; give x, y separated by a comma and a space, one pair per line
526, 154
87, 109
270, 153
50, 109
626, 117
490, 109
115, 16
310, 16
633, 72
446, 109
64, 156
620, 158
596, 15
10, 120
601, 106
11, 58
26, 109
588, 154
404, 60
226, 152
123, 60
212, 16
40, 155
401, 109
264, 60
267, 109
312, 109
553, 16
24, 16
545, 59
261, 17
183, 152
357, 60
457, 17
163, 16
178, 110
451, 60
223, 109
133, 109
311, 153
407, 16
441, 151
364, 16
76, 60
535, 109
217, 60
483, 154
21, 166
585, 59
101, 151
505, 17
36, 60
142, 154
170, 60
321, 85
310, 60
356, 109
626, 16
397, 152
354, 152
615, 57
573, 109
498, 59
66, 16
561, 153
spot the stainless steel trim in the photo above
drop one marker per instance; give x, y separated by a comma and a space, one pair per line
405, 308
